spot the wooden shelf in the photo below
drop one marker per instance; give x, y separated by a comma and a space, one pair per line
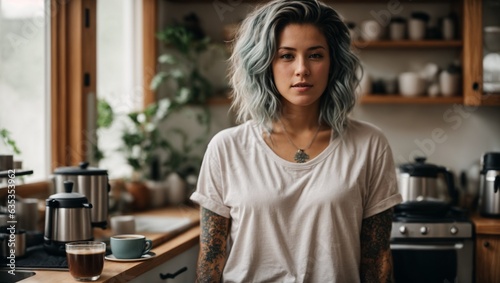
408, 44
491, 99
398, 99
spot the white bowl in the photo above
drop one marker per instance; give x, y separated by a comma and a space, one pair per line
411, 84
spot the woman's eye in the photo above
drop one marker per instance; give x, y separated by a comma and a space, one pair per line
286, 56
316, 56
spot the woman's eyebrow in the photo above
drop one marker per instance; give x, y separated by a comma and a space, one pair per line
310, 48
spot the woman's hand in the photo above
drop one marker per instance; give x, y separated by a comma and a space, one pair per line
376, 257
213, 246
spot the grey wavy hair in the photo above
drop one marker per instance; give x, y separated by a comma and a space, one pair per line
255, 95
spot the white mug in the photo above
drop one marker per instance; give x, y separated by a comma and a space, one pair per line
371, 30
123, 224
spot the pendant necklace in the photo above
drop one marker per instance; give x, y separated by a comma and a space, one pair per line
300, 156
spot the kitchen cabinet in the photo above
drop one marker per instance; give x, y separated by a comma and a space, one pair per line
487, 258
473, 56
487, 249
179, 269
469, 45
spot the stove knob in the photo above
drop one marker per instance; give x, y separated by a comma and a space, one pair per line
424, 230
403, 230
453, 230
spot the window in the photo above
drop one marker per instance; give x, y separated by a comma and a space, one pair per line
24, 77
119, 73
48, 102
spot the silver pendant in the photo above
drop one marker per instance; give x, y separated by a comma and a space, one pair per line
301, 156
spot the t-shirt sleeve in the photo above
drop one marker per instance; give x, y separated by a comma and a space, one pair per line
382, 192
209, 191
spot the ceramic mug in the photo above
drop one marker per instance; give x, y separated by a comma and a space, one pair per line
129, 246
123, 224
371, 30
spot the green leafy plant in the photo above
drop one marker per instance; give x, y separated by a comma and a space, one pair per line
150, 134
105, 118
142, 138
179, 66
9, 142
186, 87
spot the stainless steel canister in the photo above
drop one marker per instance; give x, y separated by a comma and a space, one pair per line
67, 219
90, 182
12, 242
489, 185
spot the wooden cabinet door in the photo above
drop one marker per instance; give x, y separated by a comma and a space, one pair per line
177, 264
487, 259
473, 52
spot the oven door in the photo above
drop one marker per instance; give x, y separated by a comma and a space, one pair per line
433, 261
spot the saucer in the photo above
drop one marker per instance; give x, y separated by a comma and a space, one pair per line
147, 256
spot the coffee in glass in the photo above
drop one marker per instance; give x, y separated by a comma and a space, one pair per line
85, 259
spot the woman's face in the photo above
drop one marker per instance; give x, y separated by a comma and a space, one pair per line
301, 64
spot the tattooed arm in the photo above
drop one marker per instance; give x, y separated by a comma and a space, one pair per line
376, 257
213, 239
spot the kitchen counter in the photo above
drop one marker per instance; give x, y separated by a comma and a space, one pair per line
165, 245
488, 226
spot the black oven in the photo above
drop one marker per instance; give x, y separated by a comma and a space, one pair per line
432, 251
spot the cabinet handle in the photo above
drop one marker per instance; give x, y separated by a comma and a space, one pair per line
486, 244
475, 86
173, 275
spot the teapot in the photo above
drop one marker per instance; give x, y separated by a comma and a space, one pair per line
418, 181
67, 219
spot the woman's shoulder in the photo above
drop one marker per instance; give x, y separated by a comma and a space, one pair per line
237, 134
363, 131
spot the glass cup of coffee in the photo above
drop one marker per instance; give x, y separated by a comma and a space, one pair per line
85, 259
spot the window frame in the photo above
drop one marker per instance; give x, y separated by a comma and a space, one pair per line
74, 42
73, 70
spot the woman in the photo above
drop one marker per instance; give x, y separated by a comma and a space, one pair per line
298, 192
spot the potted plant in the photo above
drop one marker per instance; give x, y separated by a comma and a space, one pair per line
180, 79
10, 145
8, 141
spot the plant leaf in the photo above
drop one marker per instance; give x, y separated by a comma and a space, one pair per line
158, 80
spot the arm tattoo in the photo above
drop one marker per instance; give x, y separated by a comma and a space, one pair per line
376, 257
213, 239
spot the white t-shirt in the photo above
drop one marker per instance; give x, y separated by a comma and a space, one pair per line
296, 222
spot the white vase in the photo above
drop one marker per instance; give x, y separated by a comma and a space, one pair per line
416, 29
157, 193
177, 189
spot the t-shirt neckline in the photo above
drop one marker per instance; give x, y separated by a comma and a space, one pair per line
334, 141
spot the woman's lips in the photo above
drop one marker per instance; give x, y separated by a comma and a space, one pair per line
302, 86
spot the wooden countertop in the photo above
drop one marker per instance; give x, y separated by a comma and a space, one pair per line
488, 226
165, 245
